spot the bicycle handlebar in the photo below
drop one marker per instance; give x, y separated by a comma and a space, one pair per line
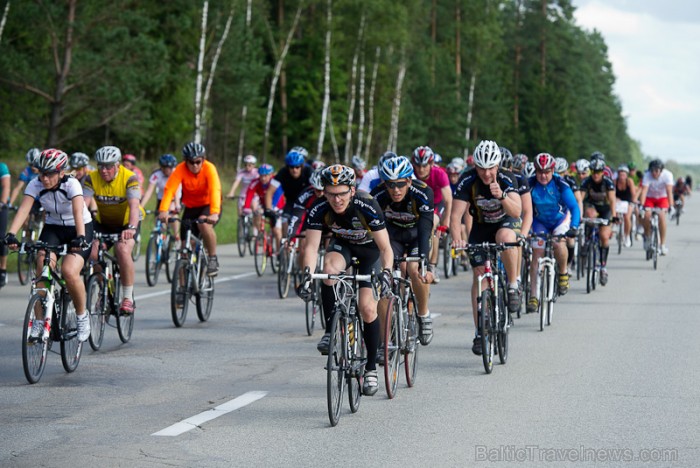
596, 221
341, 276
60, 250
490, 246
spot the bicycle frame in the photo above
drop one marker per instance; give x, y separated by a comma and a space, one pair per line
49, 291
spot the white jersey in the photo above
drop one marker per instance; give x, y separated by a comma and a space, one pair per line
657, 187
58, 202
159, 179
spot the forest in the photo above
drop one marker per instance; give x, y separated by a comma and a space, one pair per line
339, 77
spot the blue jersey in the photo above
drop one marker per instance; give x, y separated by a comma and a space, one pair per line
553, 201
27, 175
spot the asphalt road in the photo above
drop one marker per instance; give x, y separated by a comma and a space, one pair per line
615, 380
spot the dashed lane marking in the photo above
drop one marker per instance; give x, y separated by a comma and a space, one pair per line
219, 280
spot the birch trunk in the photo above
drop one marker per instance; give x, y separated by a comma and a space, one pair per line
470, 107
361, 122
200, 67
275, 79
394, 133
458, 50
334, 143
241, 139
516, 71
4, 18
353, 93
326, 81
62, 71
370, 115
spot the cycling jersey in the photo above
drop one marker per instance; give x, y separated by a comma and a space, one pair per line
159, 179
624, 194
369, 180
354, 225
411, 219
57, 202
573, 183
201, 189
484, 208
4, 170
293, 187
552, 203
523, 185
657, 187
258, 189
27, 175
596, 193
437, 179
245, 178
112, 198
300, 210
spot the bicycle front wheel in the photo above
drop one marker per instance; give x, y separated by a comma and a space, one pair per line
335, 368
392, 342
487, 339
357, 358
25, 265
260, 253
410, 359
33, 351
283, 274
590, 268
447, 263
71, 348
180, 292
241, 237
125, 325
313, 308
655, 246
136, 251
205, 297
97, 308
544, 281
152, 261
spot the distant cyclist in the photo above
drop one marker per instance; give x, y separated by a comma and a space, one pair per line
156, 183
256, 193
294, 178
28, 174
626, 196
244, 178
657, 192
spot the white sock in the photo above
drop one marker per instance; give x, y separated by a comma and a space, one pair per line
128, 291
513, 285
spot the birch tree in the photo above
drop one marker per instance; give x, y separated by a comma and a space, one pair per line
244, 109
200, 68
370, 111
326, 80
4, 18
396, 108
353, 93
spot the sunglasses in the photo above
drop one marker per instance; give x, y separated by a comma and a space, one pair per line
48, 173
337, 195
107, 167
395, 185
196, 162
294, 167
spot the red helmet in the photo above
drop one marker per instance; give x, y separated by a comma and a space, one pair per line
544, 162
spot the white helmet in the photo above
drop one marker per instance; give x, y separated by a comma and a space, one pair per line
108, 155
459, 163
487, 154
250, 159
562, 165
398, 167
315, 179
32, 155
358, 163
529, 169
582, 165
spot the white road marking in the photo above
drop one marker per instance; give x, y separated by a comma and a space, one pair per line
167, 291
199, 419
438, 314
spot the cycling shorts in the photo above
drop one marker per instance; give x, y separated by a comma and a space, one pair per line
193, 213
367, 256
603, 211
656, 202
486, 232
539, 228
404, 242
54, 234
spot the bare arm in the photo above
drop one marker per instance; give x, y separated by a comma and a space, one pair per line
149, 193
4, 189
386, 254
77, 203
18, 188
24, 208
313, 241
447, 197
459, 207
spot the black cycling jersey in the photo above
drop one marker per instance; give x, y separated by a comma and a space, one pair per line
623, 194
571, 180
300, 209
354, 225
597, 193
414, 213
522, 184
484, 208
291, 187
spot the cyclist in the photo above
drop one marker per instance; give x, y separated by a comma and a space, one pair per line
607, 172
371, 178
294, 178
201, 196
529, 169
424, 168
453, 172
599, 202
680, 190
129, 161
583, 169
80, 164
256, 192
244, 177
490, 195
68, 221
556, 211
562, 168
301, 208
689, 183
156, 183
657, 188
28, 174
358, 230
626, 196
408, 210
5, 181
360, 167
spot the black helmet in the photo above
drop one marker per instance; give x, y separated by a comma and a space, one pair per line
656, 164
598, 155
193, 150
597, 165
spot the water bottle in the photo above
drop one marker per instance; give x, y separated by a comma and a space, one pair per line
351, 333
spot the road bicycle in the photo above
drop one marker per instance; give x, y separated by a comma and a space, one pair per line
677, 211
288, 269
244, 234
621, 208
160, 252
104, 293
525, 276
314, 306
347, 355
401, 329
54, 304
136, 251
591, 251
450, 263
191, 283
579, 252
547, 284
263, 249
26, 261
493, 318
654, 241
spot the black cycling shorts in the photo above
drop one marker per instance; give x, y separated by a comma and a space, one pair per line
486, 232
54, 234
603, 211
194, 213
367, 256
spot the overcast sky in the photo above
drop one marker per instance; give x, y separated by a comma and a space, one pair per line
654, 47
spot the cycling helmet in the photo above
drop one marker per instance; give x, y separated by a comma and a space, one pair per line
544, 162
385, 156
655, 164
108, 155
358, 163
423, 155
453, 168
598, 155
318, 164
32, 154
518, 161
458, 162
623, 168
265, 169
582, 165
129, 158
301, 150
632, 165
315, 179
506, 157
338, 174
529, 169
193, 150
487, 154
562, 165
437, 158
250, 159
398, 167
78, 160
167, 160
597, 165
294, 158
52, 160
470, 161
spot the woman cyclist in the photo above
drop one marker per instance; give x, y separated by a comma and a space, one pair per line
626, 195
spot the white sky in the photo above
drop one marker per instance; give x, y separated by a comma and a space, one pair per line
654, 47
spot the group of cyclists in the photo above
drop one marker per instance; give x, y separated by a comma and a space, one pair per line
401, 207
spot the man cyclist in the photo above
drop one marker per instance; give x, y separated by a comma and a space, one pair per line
657, 187
357, 227
294, 178
408, 211
301, 208
129, 161
556, 211
371, 178
360, 167
68, 221
80, 164
491, 197
201, 196
563, 169
116, 192
599, 202
5, 181
680, 190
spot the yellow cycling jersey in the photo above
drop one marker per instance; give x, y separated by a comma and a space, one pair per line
112, 197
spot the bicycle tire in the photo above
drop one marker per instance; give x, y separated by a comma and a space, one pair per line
241, 237
525, 278
503, 325
96, 306
392, 343
34, 353
543, 295
274, 258
447, 265
357, 360
596, 271
152, 261
136, 251
260, 253
590, 268
487, 344
71, 348
25, 265
336, 365
655, 246
180, 289
412, 344
125, 325
313, 307
283, 274
170, 256
204, 299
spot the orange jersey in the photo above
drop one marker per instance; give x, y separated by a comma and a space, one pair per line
197, 189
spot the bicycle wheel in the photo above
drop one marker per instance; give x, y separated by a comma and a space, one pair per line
241, 236
544, 284
33, 351
357, 360
596, 270
655, 245
136, 251
250, 234
260, 253
447, 264
204, 300
335, 368
525, 278
590, 269
487, 339
313, 308
284, 277
392, 343
503, 325
153, 260
71, 348
170, 257
180, 292
125, 325
25, 266
274, 257
620, 235
97, 308
410, 359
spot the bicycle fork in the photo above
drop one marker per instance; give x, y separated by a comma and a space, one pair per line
546, 263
